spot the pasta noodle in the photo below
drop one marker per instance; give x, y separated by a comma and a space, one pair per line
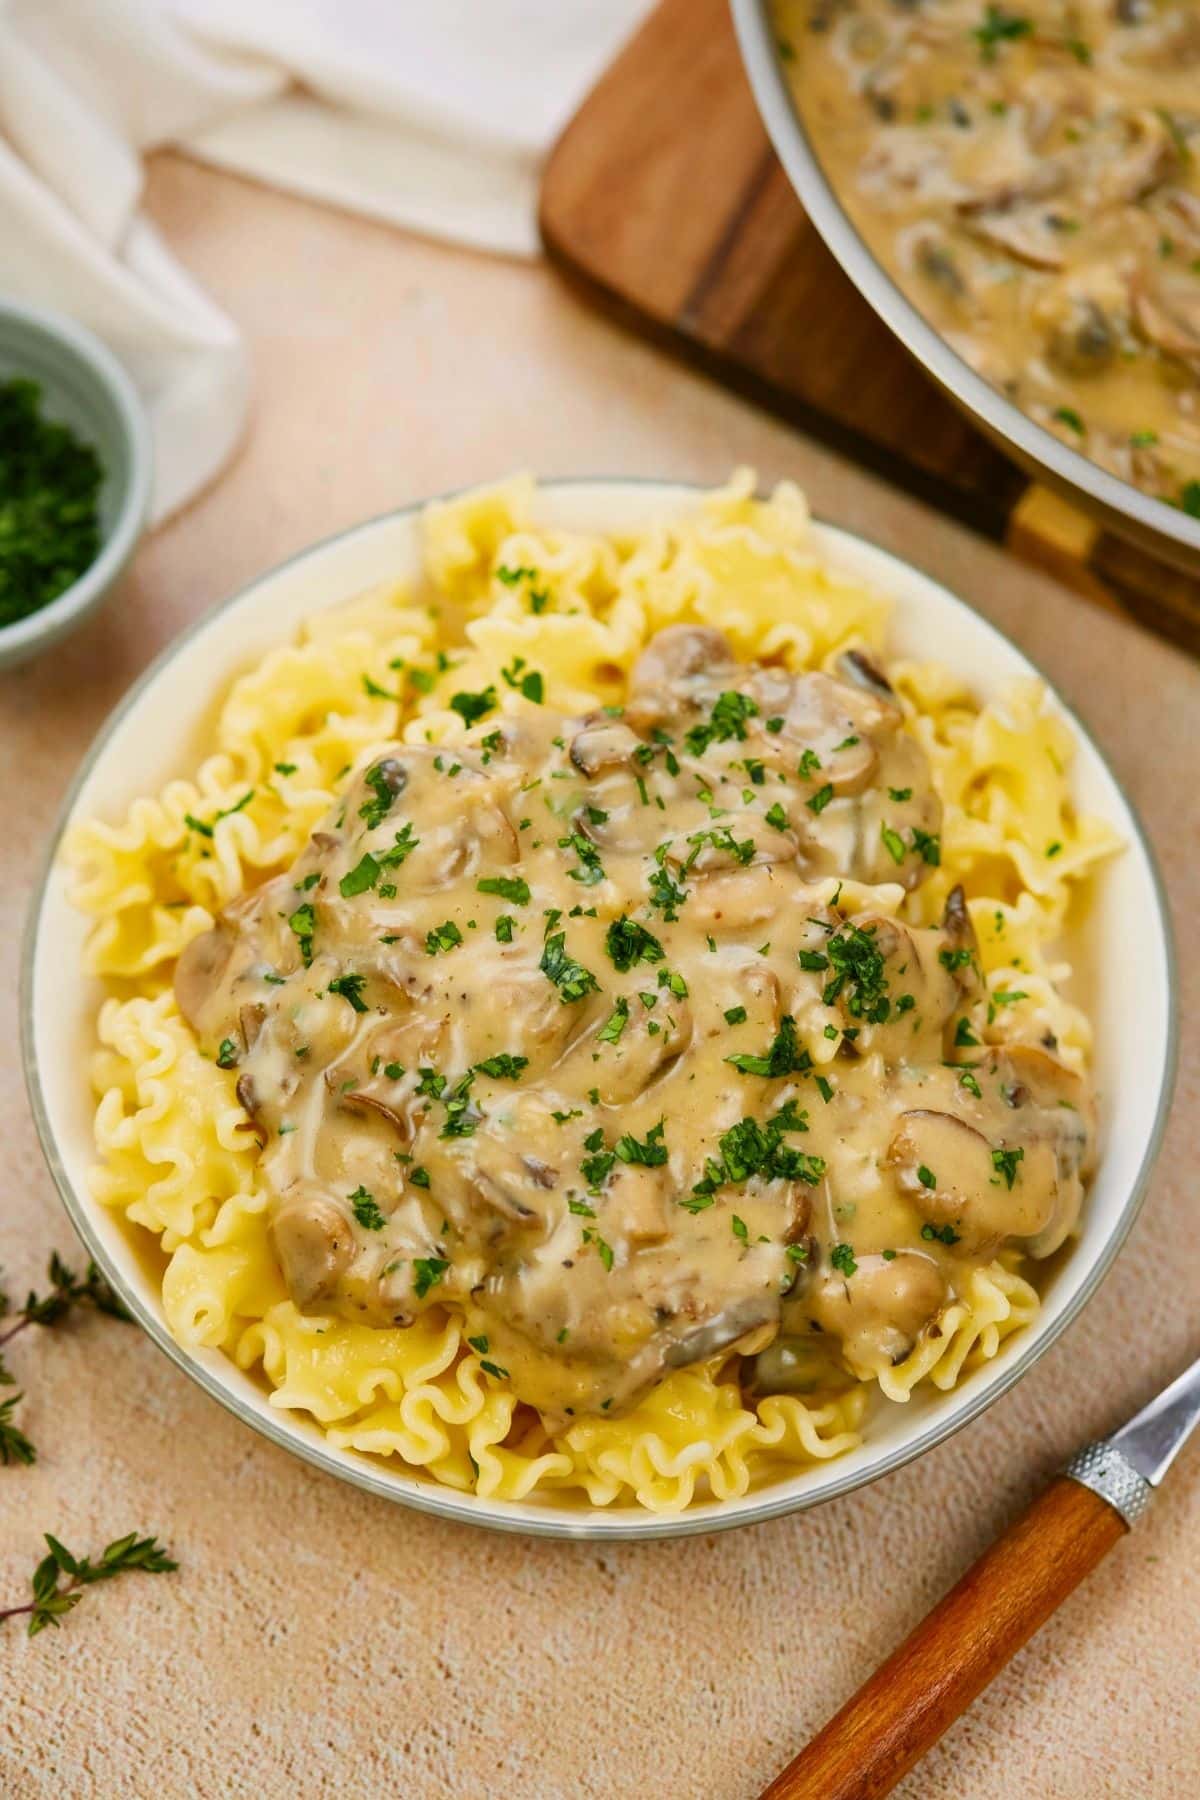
178, 1158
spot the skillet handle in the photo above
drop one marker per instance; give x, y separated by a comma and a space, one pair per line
906, 1705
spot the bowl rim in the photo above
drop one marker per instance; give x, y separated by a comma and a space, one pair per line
592, 1523
1164, 529
95, 357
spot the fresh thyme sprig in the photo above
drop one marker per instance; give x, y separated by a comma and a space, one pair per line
65, 1293
53, 1596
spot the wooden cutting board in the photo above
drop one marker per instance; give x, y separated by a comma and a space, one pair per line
665, 203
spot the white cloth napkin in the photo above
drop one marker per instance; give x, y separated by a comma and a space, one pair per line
432, 116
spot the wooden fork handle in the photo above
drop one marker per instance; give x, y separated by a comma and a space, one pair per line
908, 1703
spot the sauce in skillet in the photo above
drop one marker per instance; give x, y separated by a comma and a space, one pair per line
604, 1031
1029, 173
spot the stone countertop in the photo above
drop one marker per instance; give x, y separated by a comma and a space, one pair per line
316, 1641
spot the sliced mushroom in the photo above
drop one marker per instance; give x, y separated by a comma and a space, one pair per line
1083, 340
314, 1242
652, 1040
878, 1312
602, 744
722, 1331
677, 652
1033, 234
962, 945
858, 667
637, 1205
949, 1170
1167, 313
251, 1020
202, 968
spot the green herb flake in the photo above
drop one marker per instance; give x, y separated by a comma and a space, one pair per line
366, 1210
473, 707
427, 1272
842, 1259
571, 979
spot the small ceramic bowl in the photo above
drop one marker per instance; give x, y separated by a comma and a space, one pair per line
83, 386
1122, 953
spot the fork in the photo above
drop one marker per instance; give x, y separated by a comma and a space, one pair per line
904, 1707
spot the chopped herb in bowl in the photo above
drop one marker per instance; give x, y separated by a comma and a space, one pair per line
49, 513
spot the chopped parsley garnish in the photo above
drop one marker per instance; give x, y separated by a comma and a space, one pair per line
460, 1122
591, 869
954, 959
350, 988
899, 794
650, 1152
964, 1037
445, 936
479, 1343
1054, 849
430, 1085
505, 926
1005, 1163
824, 1088
967, 1080
926, 1177
530, 683
739, 1229
928, 846
309, 881
503, 1067
1066, 415
510, 578
812, 960
428, 1271
376, 809
749, 1148
227, 1055
785, 1056
727, 720
491, 1368
401, 849
777, 817
472, 707
939, 1234
366, 1210
820, 800
842, 1259
893, 843
610, 1032
665, 893
361, 877
199, 825
571, 979
859, 970
735, 1015
419, 1177
999, 26
627, 943
394, 1071
303, 923
603, 1250
512, 888
809, 761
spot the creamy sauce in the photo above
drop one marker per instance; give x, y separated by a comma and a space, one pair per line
604, 1031
1029, 173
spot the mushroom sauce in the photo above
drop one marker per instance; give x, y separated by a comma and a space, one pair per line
1029, 175
604, 1031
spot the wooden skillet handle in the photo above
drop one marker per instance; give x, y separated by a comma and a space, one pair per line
938, 1670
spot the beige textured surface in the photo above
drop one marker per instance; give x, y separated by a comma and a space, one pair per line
318, 1642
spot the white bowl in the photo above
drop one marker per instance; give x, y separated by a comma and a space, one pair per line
1125, 961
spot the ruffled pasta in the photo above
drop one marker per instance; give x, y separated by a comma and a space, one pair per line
505, 594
